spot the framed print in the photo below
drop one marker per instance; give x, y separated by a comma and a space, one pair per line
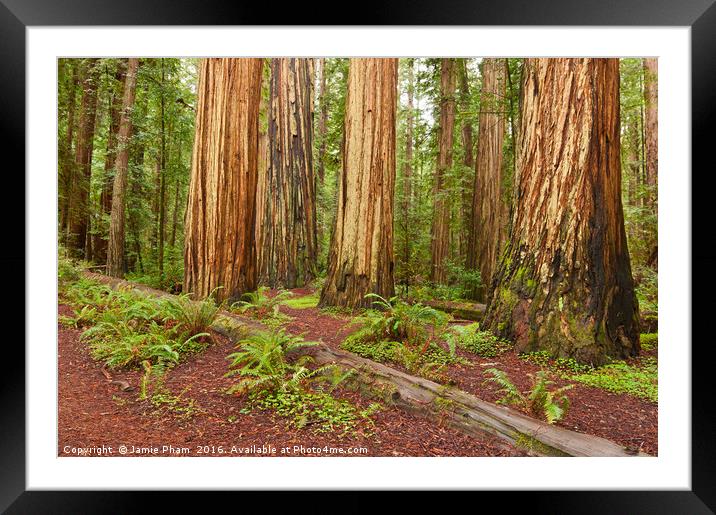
424, 255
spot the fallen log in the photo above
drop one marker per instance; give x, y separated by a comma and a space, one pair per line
468, 311
459, 409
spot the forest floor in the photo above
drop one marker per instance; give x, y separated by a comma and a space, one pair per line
196, 415
623, 418
200, 417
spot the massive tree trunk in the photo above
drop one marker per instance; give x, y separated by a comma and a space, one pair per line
286, 241
105, 200
361, 256
440, 231
115, 247
219, 248
487, 225
564, 283
80, 190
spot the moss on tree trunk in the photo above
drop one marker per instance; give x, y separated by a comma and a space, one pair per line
564, 282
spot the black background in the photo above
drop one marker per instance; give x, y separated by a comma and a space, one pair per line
15, 15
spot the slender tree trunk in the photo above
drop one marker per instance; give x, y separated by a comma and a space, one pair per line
68, 161
440, 231
79, 213
361, 256
468, 160
408, 174
219, 249
163, 181
287, 241
487, 204
115, 248
651, 148
100, 242
322, 123
564, 284
175, 212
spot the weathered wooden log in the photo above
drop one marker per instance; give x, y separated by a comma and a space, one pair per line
457, 408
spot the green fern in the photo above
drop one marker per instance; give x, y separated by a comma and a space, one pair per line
552, 405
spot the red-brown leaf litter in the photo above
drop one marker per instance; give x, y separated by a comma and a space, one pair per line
95, 412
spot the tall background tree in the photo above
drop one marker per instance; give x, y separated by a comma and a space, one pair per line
115, 248
286, 227
564, 284
441, 210
487, 222
219, 247
361, 256
79, 194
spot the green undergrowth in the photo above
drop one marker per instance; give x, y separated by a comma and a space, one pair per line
620, 377
307, 301
649, 341
274, 380
125, 328
638, 378
404, 334
264, 307
541, 401
483, 343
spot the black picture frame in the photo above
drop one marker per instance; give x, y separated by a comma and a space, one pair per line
699, 15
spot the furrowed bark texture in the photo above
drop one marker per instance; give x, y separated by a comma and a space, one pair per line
564, 283
322, 122
287, 248
115, 246
79, 212
361, 255
408, 174
468, 160
67, 169
487, 225
219, 248
651, 124
105, 201
440, 231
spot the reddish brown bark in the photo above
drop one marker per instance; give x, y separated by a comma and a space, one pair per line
78, 212
219, 249
564, 283
440, 230
488, 211
105, 201
115, 247
286, 229
361, 256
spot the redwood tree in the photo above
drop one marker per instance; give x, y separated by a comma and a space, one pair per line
286, 229
440, 232
651, 124
115, 247
115, 106
564, 283
487, 224
219, 248
79, 193
361, 255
